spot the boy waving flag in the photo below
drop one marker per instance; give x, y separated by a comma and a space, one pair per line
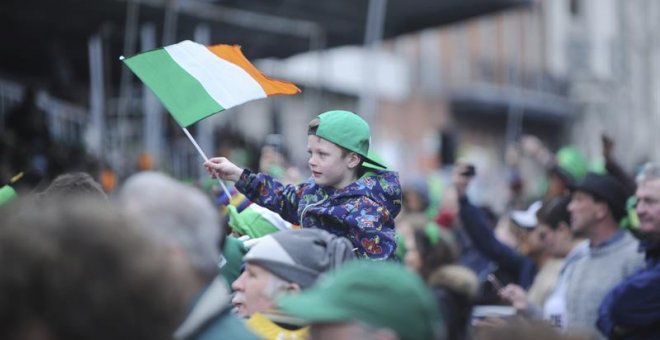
350, 194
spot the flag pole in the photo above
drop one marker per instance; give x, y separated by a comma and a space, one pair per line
201, 152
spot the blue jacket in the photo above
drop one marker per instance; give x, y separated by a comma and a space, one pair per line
631, 310
483, 239
363, 211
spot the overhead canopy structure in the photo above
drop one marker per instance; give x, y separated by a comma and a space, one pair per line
47, 39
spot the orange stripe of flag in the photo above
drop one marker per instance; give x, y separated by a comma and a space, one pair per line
233, 54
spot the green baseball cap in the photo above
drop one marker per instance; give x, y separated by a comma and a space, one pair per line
380, 294
347, 130
374, 158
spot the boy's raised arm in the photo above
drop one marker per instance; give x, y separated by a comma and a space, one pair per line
221, 167
259, 188
271, 194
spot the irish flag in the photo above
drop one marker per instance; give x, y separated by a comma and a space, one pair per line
194, 81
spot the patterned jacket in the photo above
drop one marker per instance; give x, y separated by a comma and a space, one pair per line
363, 211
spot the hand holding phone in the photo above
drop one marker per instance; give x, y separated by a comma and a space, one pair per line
469, 171
461, 177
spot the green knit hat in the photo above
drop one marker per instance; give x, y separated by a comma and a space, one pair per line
347, 130
380, 294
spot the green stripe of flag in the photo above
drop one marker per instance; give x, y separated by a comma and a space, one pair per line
182, 95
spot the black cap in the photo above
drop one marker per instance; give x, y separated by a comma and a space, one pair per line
606, 188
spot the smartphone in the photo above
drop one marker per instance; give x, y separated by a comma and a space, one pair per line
495, 282
481, 312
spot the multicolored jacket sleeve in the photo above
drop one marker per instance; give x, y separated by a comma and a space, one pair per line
369, 233
270, 193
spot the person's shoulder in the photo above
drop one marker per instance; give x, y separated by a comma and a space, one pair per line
384, 181
363, 200
383, 174
631, 246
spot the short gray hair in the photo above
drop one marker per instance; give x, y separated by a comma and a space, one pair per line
275, 287
177, 215
650, 171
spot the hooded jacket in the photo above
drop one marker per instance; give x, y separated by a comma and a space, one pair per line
632, 309
363, 211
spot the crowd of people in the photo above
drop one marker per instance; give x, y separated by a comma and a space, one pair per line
349, 253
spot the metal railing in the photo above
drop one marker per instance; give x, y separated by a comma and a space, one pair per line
67, 121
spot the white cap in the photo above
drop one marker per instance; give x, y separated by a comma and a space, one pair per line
527, 218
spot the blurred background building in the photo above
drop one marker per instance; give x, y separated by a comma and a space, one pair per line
437, 80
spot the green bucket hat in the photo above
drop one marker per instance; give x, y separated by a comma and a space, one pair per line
380, 294
347, 130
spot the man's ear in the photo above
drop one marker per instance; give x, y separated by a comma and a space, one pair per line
293, 287
603, 210
353, 160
